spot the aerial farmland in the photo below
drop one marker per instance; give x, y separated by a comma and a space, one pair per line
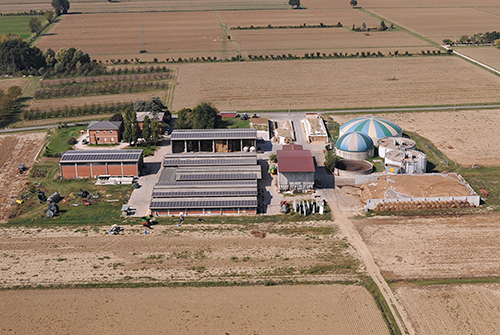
426, 272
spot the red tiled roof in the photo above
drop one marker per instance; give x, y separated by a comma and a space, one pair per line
292, 147
295, 161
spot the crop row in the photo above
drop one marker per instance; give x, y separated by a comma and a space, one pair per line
111, 78
67, 111
99, 89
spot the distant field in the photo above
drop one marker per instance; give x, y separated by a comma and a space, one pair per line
342, 83
440, 23
124, 6
17, 25
21, 82
488, 55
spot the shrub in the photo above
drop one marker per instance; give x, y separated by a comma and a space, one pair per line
72, 141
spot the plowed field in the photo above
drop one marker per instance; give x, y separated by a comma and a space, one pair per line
453, 309
15, 149
427, 248
298, 309
311, 84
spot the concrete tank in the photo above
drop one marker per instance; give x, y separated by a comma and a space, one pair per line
387, 144
405, 162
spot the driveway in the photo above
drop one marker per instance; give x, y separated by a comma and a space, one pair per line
80, 146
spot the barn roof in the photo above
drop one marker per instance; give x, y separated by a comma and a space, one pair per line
104, 125
213, 134
295, 161
83, 156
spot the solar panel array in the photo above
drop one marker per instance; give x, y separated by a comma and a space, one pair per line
101, 155
201, 134
216, 176
252, 183
202, 203
204, 193
208, 161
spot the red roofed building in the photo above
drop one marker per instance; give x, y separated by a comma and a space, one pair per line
295, 168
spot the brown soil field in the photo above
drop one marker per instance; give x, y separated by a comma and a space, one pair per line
194, 253
453, 309
299, 309
434, 247
313, 84
486, 55
98, 99
163, 33
455, 133
15, 149
440, 23
21, 82
123, 6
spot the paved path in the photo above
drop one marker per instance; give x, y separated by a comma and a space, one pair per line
373, 270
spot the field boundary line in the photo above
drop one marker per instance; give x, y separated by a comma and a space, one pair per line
472, 60
169, 96
399, 27
485, 11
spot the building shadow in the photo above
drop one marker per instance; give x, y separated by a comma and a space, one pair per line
151, 168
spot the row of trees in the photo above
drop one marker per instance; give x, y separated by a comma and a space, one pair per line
103, 79
477, 39
36, 26
9, 101
99, 89
67, 111
305, 25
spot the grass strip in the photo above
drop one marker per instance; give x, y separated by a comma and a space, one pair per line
382, 305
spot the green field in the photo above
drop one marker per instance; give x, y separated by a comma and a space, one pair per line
17, 25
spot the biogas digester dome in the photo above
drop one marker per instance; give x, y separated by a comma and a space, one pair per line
375, 127
354, 145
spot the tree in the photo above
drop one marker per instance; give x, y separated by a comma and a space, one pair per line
464, 39
60, 6
205, 116
10, 37
116, 117
50, 57
146, 129
294, 3
14, 92
18, 55
154, 106
155, 131
136, 130
184, 119
447, 41
353, 3
127, 125
273, 158
49, 15
35, 26
382, 26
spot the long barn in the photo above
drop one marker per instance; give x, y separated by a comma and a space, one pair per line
204, 184
93, 163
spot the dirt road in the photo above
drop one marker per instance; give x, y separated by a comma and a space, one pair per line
348, 230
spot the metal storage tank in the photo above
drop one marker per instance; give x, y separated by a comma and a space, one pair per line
375, 127
405, 162
354, 145
387, 144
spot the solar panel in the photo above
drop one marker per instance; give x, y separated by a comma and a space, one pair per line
200, 134
101, 155
205, 193
209, 183
216, 176
208, 161
202, 203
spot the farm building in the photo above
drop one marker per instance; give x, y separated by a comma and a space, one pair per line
354, 145
295, 169
373, 126
92, 163
387, 144
105, 131
315, 128
160, 117
207, 184
213, 140
405, 162
228, 115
